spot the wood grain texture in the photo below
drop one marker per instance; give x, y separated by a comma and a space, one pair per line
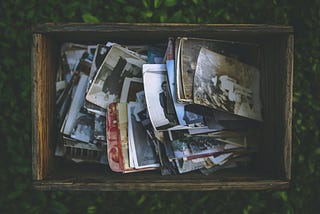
163, 185
36, 147
288, 107
158, 27
42, 106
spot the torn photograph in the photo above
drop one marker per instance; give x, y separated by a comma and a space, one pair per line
118, 64
226, 84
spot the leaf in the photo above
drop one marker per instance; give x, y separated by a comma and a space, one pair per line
170, 3
141, 200
317, 151
146, 3
88, 18
92, 209
147, 14
157, 3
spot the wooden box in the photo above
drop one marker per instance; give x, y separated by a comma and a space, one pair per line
272, 168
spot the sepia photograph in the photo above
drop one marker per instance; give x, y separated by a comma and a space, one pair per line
226, 84
190, 49
118, 64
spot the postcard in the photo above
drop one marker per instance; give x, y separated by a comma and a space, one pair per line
107, 84
226, 84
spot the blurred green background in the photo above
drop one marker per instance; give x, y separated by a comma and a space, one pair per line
16, 19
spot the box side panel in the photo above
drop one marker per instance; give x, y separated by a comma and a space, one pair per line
42, 106
160, 27
288, 107
276, 84
150, 32
162, 185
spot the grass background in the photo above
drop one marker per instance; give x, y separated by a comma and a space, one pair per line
16, 19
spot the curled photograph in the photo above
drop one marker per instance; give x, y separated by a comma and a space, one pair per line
226, 84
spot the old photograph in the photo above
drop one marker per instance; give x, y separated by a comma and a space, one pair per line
118, 64
114, 148
227, 84
158, 97
190, 49
98, 58
131, 86
142, 147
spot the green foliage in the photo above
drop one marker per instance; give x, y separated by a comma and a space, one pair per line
16, 21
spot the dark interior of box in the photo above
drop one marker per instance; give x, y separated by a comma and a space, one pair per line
268, 163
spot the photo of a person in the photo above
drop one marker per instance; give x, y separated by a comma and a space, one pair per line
158, 97
163, 98
166, 102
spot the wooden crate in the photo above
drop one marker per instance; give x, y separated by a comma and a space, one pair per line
272, 167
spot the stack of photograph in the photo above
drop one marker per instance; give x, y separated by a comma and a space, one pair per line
182, 105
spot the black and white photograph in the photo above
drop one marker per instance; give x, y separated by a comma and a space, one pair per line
226, 84
118, 64
131, 86
83, 128
76, 105
99, 133
156, 92
185, 166
189, 51
98, 58
142, 151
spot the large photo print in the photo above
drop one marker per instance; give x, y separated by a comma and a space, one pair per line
226, 84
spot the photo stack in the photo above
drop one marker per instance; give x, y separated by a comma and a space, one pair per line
181, 105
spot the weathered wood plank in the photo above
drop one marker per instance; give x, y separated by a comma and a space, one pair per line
36, 172
158, 27
162, 185
42, 106
288, 107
